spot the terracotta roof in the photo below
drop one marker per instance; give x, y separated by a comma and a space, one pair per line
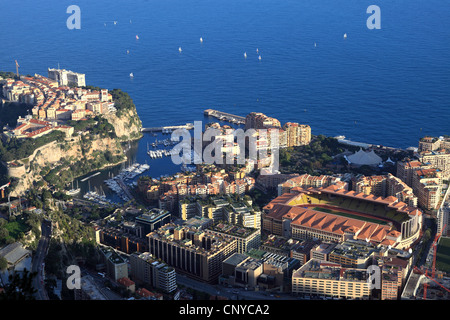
283, 199
126, 282
144, 292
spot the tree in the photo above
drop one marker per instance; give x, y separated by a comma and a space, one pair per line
3, 263
4, 234
20, 286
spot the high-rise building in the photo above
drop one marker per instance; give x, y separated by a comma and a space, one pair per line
439, 160
145, 269
258, 120
434, 143
152, 220
198, 254
427, 185
353, 254
297, 134
116, 266
327, 279
246, 238
385, 186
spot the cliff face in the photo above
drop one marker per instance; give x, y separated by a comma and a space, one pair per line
80, 153
127, 125
73, 150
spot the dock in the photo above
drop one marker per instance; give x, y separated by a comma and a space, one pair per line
224, 116
93, 175
187, 126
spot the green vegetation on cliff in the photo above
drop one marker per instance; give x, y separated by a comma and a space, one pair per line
16, 149
67, 170
98, 138
122, 101
98, 126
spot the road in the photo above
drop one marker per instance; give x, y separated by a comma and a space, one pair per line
38, 260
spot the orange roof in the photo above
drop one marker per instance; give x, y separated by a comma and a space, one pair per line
324, 221
144, 292
283, 199
126, 282
387, 242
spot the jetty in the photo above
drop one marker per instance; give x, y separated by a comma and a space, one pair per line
224, 116
165, 129
93, 175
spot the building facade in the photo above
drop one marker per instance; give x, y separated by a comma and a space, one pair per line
322, 278
195, 253
67, 77
145, 269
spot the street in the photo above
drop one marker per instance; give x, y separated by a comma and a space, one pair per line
38, 260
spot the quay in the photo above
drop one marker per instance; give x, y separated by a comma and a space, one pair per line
187, 126
93, 175
224, 116
343, 140
124, 188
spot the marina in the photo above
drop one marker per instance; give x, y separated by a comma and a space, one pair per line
119, 182
73, 191
159, 153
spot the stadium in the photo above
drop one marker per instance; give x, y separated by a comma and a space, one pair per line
333, 213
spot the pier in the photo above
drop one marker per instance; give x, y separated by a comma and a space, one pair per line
187, 126
224, 116
93, 175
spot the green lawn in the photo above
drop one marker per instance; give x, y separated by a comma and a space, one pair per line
443, 255
16, 227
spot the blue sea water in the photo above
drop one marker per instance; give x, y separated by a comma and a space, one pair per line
389, 86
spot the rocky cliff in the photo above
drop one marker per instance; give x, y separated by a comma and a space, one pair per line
76, 155
126, 124
74, 151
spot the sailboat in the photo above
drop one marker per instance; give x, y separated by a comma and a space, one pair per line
131, 75
201, 39
179, 49
345, 36
245, 54
73, 191
259, 58
137, 37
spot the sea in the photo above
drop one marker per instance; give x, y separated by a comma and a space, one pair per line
387, 86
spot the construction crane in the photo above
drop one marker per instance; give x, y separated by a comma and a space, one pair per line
434, 246
426, 275
2, 188
433, 268
17, 68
